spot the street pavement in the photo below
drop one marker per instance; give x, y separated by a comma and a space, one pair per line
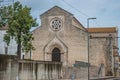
107, 78
113, 79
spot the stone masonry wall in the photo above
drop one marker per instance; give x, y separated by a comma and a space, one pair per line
73, 38
101, 50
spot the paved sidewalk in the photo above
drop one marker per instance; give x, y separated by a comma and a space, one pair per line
118, 78
106, 78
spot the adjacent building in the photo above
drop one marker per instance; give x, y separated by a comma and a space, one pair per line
4, 48
104, 49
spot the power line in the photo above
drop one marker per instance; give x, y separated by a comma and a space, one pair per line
75, 8
96, 23
79, 11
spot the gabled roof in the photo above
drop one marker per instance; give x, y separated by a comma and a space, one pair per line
102, 30
56, 7
81, 26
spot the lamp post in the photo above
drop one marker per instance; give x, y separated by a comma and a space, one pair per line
88, 45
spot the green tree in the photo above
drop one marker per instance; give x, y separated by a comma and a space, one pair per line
3, 15
19, 22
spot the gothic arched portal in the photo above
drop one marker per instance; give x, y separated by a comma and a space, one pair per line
56, 56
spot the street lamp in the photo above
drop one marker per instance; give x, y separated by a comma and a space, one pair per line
88, 44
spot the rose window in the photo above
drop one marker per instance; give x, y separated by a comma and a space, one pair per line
56, 24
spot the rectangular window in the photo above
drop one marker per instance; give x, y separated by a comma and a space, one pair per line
6, 50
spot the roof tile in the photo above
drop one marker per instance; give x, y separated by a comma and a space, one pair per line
102, 30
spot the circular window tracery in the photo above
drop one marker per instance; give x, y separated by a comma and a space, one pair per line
56, 24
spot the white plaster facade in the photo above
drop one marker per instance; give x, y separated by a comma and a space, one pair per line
11, 49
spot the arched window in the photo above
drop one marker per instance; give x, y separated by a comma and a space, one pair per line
56, 56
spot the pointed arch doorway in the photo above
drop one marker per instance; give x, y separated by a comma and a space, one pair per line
56, 55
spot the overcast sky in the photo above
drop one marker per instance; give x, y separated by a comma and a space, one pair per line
107, 12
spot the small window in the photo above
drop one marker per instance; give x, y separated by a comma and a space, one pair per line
6, 50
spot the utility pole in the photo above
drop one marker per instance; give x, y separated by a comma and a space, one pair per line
88, 37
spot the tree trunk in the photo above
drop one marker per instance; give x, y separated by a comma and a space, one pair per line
19, 50
19, 45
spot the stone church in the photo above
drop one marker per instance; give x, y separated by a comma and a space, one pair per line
62, 38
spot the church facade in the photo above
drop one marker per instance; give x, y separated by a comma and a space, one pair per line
62, 38
61, 33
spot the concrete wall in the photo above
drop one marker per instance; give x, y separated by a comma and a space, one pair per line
43, 70
29, 70
8, 69
12, 69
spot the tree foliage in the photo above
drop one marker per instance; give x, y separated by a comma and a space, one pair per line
19, 22
5, 13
